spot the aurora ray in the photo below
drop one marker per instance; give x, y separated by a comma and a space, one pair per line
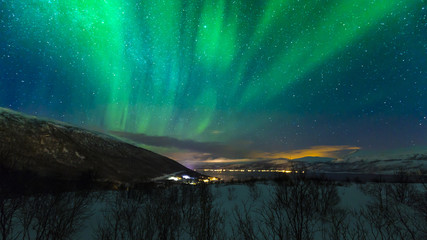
281, 70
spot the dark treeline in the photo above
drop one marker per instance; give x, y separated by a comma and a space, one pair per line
296, 208
178, 212
303, 209
44, 216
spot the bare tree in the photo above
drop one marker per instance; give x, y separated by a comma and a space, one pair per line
9, 208
254, 190
137, 215
393, 211
338, 225
10, 202
54, 216
274, 221
207, 221
297, 207
245, 226
357, 229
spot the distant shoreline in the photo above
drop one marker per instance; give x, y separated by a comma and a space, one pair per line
335, 176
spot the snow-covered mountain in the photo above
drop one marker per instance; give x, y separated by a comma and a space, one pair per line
388, 161
360, 162
51, 148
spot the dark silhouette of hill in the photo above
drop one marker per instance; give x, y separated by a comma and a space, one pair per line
55, 150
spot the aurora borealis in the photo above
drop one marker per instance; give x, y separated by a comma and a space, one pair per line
268, 76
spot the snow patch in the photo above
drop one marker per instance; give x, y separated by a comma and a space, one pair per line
80, 156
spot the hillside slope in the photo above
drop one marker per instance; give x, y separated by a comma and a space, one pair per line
56, 149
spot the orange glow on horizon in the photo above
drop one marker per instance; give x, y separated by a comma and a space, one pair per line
335, 151
316, 151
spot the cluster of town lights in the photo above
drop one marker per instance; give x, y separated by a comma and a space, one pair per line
191, 180
248, 170
196, 180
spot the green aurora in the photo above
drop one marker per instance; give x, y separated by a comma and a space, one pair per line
298, 73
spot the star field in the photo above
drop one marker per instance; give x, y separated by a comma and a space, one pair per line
272, 75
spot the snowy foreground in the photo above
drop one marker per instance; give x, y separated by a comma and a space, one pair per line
298, 209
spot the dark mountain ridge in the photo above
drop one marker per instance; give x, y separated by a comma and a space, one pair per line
58, 150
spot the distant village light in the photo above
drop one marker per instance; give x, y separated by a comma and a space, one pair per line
173, 178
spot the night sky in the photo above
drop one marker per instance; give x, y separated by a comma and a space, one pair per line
223, 80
